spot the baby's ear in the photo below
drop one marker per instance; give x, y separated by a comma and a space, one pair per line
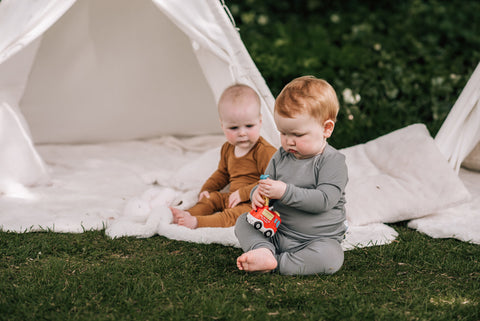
328, 127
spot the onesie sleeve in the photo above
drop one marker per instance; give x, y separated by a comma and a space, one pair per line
332, 177
262, 158
220, 178
269, 170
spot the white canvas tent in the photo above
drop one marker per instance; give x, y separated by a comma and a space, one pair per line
113, 70
460, 132
82, 81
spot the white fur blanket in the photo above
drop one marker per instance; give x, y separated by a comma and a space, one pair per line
461, 222
148, 215
126, 187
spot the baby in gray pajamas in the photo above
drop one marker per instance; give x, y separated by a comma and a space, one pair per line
307, 179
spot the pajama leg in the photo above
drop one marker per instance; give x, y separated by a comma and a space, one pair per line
207, 206
225, 218
320, 256
250, 238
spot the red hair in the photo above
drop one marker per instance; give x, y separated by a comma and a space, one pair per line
310, 95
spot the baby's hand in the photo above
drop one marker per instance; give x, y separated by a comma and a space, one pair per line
234, 199
271, 188
257, 200
203, 194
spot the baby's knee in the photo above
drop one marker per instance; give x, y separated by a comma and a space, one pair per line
311, 267
325, 257
241, 222
333, 265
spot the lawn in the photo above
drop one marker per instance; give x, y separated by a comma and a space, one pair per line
407, 61
89, 276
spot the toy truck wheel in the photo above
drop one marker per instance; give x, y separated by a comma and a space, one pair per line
268, 233
257, 225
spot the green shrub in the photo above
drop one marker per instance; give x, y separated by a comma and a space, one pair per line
408, 61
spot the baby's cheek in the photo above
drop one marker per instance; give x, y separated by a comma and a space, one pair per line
310, 144
230, 136
300, 144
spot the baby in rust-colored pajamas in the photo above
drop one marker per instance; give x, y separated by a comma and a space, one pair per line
244, 157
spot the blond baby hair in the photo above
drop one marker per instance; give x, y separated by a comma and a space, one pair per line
238, 95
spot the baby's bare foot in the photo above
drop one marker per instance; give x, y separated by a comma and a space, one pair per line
261, 260
176, 214
187, 220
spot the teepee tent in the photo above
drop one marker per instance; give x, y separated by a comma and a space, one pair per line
93, 71
460, 132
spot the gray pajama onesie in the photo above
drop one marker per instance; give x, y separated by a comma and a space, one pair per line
312, 211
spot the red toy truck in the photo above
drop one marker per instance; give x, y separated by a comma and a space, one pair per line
264, 218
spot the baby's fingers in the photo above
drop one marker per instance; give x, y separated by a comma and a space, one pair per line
265, 190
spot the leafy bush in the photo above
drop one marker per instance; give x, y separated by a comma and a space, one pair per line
405, 62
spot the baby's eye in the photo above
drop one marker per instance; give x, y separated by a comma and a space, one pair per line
233, 128
298, 135
250, 126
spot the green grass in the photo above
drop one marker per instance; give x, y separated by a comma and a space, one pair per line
409, 61
89, 276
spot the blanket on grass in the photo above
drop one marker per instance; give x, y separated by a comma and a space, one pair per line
126, 188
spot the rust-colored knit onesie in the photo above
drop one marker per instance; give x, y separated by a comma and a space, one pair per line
242, 173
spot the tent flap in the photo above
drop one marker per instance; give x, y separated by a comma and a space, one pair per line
93, 71
20, 162
460, 131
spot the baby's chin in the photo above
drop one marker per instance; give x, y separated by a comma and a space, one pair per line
298, 155
244, 144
